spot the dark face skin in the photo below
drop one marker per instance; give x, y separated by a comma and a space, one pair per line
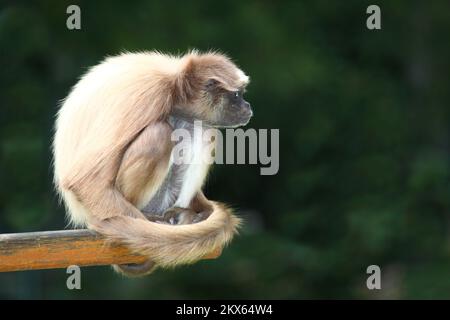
218, 108
226, 109
234, 110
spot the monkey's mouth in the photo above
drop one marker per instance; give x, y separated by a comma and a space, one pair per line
241, 121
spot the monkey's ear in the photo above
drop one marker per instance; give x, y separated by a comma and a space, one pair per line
212, 83
188, 81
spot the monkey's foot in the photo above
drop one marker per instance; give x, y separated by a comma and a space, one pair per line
136, 269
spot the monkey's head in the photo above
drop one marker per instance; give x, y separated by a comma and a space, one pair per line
210, 88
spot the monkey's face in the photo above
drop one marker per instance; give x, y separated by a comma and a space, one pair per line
233, 110
218, 108
213, 93
227, 109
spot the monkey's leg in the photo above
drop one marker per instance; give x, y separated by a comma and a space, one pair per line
143, 167
144, 164
115, 188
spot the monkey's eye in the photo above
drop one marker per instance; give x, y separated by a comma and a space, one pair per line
238, 94
235, 96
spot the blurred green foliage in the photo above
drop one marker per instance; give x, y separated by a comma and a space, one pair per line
364, 142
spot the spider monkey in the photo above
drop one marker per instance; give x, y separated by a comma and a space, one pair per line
112, 153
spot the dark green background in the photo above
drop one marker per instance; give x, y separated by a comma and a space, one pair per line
364, 142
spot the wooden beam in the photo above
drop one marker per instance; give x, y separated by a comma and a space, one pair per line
60, 249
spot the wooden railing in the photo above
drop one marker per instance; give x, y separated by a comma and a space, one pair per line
60, 249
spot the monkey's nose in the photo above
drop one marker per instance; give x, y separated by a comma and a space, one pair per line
248, 107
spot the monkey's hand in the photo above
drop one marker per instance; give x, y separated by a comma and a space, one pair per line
177, 216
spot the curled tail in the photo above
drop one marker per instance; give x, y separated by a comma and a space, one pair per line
171, 245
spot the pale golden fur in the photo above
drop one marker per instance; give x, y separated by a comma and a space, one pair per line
112, 145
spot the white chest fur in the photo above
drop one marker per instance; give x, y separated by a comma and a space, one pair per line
188, 167
197, 158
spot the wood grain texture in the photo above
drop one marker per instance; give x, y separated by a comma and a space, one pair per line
60, 249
